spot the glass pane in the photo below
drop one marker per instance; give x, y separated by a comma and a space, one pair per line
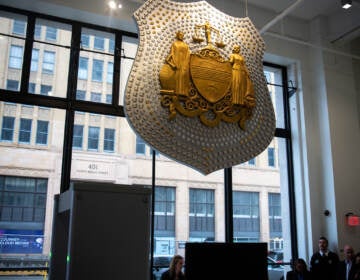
12, 53
31, 175
129, 47
13, 24
96, 63
189, 207
7, 128
53, 32
50, 59
115, 158
274, 79
260, 204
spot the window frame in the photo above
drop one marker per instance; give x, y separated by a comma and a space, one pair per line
25, 130
42, 132
70, 105
16, 60
8, 129
109, 141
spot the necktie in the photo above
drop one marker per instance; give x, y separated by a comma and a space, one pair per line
348, 267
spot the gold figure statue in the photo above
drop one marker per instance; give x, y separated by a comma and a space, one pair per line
207, 29
241, 86
178, 59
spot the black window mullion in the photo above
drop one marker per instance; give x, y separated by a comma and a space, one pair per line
116, 72
25, 76
290, 169
70, 113
229, 222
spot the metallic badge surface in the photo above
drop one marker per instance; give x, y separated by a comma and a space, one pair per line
197, 91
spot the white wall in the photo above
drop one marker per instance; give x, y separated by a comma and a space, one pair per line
326, 137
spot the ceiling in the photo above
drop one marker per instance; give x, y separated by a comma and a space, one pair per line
344, 24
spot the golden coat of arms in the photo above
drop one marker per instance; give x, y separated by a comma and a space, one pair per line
197, 91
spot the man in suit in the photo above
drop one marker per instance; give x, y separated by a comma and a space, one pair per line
346, 268
323, 263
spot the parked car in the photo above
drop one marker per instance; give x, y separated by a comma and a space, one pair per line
275, 269
161, 264
277, 256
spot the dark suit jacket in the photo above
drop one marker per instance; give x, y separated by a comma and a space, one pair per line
293, 275
324, 267
341, 271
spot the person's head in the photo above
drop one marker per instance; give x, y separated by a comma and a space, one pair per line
300, 265
180, 35
323, 244
348, 252
357, 258
176, 264
236, 49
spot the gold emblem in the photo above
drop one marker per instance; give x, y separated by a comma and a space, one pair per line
205, 84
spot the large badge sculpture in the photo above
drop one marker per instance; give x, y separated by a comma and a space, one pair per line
197, 91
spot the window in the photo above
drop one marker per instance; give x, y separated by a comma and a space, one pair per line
34, 60
22, 199
37, 34
271, 157
251, 161
111, 45
78, 136
19, 27
51, 33
275, 218
108, 99
42, 132
48, 62
99, 43
97, 70
164, 221
202, 218
246, 218
140, 146
80, 94
109, 139
165, 211
7, 131
95, 97
83, 68
172, 228
25, 130
93, 138
85, 40
12, 85
32, 87
110, 72
45, 90
16, 57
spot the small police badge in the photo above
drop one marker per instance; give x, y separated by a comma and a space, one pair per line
197, 91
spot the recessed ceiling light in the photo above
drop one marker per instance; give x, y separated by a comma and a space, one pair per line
119, 6
346, 4
112, 4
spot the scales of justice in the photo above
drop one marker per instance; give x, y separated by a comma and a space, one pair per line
204, 84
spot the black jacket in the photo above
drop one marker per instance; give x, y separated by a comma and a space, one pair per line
324, 267
293, 275
166, 276
341, 271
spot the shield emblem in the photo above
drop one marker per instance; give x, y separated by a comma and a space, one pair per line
163, 67
212, 78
